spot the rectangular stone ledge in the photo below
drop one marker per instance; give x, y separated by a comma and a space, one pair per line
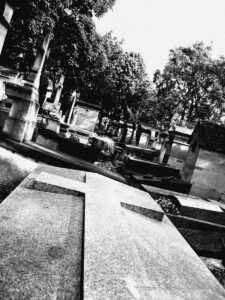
24, 92
56, 184
147, 212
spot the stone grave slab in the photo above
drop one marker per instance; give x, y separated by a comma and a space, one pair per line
130, 256
201, 209
60, 246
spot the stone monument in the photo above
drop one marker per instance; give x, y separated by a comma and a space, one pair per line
53, 109
22, 118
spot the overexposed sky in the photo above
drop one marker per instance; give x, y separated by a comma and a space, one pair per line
153, 27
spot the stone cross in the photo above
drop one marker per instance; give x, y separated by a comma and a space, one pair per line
6, 12
42, 53
49, 91
59, 90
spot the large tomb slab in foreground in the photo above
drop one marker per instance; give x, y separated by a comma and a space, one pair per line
79, 235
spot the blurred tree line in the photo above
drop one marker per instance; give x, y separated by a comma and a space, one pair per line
191, 86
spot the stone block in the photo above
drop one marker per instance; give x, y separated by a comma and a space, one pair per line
53, 125
146, 167
201, 209
22, 118
26, 92
18, 130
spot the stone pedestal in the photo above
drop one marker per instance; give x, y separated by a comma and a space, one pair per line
53, 124
22, 118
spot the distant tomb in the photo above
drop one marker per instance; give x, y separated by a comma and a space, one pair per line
205, 163
85, 116
175, 147
84, 119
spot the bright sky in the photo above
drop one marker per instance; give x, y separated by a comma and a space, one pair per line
153, 27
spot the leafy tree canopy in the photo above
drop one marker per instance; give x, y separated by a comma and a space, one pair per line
115, 78
191, 85
96, 66
32, 18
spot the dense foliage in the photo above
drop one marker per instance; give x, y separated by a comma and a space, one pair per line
115, 77
96, 66
191, 86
